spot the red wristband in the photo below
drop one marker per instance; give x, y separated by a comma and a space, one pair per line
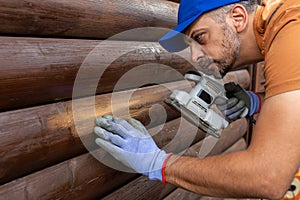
163, 168
258, 110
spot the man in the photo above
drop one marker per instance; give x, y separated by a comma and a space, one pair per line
232, 33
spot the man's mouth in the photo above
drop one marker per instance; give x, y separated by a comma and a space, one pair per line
205, 63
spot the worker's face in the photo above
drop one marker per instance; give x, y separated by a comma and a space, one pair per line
215, 47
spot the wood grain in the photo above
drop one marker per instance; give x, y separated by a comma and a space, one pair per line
40, 136
142, 188
84, 177
33, 138
85, 18
36, 71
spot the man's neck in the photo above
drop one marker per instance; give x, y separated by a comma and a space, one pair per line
249, 50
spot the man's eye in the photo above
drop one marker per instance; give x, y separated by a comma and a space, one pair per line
199, 38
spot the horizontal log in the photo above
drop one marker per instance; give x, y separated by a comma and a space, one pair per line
181, 193
85, 18
33, 138
36, 71
64, 180
240, 145
242, 77
211, 146
84, 177
46, 69
27, 135
142, 188
260, 80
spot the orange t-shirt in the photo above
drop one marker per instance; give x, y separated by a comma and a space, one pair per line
277, 30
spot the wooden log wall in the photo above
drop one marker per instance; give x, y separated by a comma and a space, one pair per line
44, 46
85, 18
259, 79
46, 69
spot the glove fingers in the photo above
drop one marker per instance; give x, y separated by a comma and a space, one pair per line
123, 123
244, 113
117, 140
229, 104
103, 134
138, 125
108, 117
109, 147
236, 115
104, 123
122, 131
118, 129
236, 108
232, 87
100, 132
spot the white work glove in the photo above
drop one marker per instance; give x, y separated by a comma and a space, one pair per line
131, 144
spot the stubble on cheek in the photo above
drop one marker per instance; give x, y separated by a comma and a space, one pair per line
230, 50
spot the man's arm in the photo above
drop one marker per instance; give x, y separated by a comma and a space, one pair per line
264, 170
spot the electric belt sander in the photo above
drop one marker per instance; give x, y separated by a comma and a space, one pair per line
195, 105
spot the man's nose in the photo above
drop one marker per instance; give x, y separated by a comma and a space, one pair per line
197, 52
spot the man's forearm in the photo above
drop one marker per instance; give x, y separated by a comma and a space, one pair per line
264, 170
223, 175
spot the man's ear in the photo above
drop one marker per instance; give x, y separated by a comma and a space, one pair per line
239, 17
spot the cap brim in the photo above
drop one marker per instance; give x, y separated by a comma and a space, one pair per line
173, 41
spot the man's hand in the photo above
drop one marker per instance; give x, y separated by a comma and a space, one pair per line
240, 103
131, 144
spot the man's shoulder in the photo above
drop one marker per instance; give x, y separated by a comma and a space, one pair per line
271, 17
274, 11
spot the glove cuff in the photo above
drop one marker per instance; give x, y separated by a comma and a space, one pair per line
259, 107
255, 104
155, 170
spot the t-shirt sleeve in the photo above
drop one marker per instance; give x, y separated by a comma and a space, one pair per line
282, 61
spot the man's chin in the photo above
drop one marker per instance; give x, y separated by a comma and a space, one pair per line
213, 70
218, 76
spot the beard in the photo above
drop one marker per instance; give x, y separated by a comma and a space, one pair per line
229, 53
230, 50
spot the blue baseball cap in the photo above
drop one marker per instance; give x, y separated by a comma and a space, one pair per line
189, 11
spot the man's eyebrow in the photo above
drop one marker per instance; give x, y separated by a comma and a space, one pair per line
195, 31
188, 36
